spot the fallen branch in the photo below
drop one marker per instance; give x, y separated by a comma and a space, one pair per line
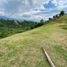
48, 58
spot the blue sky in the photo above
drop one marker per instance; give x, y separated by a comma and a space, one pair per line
31, 9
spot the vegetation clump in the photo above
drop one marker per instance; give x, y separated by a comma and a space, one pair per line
10, 27
62, 13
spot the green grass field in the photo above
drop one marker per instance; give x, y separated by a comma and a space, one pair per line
24, 49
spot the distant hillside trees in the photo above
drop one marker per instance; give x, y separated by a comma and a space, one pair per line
62, 13
50, 19
57, 16
10, 27
40, 23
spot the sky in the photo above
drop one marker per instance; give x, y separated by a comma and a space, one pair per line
32, 9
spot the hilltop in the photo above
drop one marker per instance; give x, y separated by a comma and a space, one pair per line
24, 49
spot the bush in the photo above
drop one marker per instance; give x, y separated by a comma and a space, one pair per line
56, 16
50, 19
61, 13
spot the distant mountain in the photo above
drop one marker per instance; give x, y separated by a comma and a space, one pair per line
6, 17
3, 17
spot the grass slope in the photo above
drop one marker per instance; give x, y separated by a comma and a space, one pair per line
24, 49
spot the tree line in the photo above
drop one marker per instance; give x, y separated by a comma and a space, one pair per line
57, 16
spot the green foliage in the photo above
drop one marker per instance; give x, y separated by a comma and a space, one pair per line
10, 27
62, 13
41, 20
50, 19
55, 17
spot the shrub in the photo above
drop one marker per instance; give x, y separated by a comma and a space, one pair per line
50, 19
61, 13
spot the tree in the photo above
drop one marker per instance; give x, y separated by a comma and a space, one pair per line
62, 13
56, 16
41, 20
50, 19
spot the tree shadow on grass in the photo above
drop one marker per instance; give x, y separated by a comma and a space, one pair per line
64, 26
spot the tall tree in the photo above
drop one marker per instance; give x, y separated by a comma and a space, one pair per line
62, 13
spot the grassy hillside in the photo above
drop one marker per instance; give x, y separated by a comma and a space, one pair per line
24, 49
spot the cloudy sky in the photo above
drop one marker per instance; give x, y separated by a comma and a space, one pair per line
31, 9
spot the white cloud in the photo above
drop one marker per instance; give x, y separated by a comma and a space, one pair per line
33, 8
2, 13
